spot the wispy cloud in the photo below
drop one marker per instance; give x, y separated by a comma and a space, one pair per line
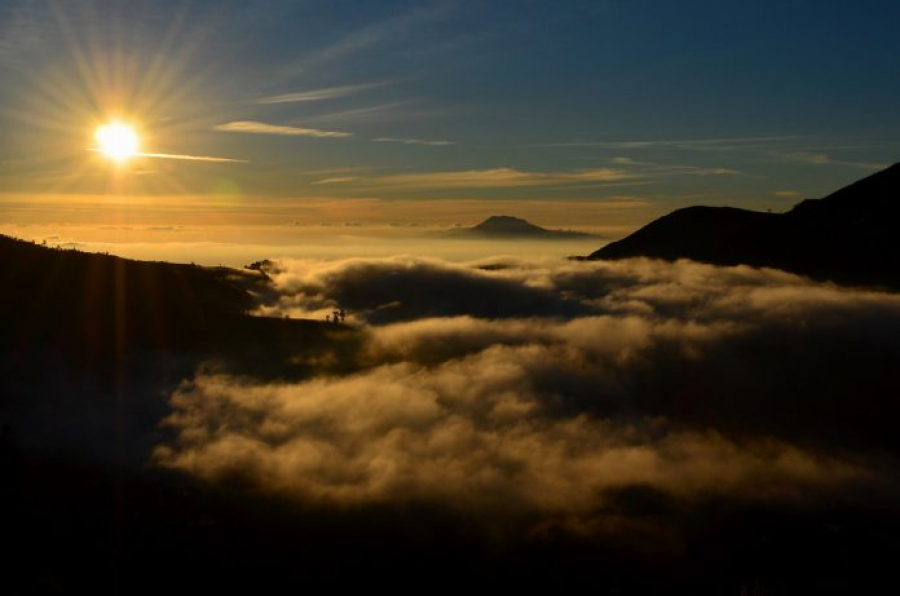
346, 171
503, 177
625, 172
336, 180
371, 35
788, 194
660, 169
723, 144
823, 159
413, 142
403, 110
254, 127
318, 94
193, 157
180, 157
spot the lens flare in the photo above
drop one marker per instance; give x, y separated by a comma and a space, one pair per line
118, 141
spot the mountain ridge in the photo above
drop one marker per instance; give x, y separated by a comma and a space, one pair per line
95, 306
849, 236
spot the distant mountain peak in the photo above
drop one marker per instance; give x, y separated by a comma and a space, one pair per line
505, 219
511, 227
509, 224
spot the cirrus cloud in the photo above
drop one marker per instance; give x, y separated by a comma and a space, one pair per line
254, 127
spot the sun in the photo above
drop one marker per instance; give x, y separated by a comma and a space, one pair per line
117, 141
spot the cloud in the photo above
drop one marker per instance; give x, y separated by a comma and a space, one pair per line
469, 435
413, 142
503, 177
337, 180
709, 171
627, 172
253, 127
318, 94
788, 194
192, 157
370, 35
341, 170
180, 157
407, 288
823, 159
165, 228
719, 144
813, 158
545, 388
657, 169
403, 288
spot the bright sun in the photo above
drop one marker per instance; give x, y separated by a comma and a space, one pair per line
118, 141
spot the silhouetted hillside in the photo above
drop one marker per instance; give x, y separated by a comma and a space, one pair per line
849, 236
90, 302
506, 227
85, 304
81, 331
94, 346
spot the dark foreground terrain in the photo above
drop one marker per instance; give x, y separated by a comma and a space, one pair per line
849, 236
93, 345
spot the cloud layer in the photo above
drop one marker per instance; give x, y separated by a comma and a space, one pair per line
545, 388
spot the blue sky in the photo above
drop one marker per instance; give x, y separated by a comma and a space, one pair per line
529, 101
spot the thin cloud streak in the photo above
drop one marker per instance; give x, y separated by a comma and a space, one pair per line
379, 112
629, 173
332, 171
369, 36
502, 177
724, 144
337, 180
205, 158
318, 94
648, 167
254, 127
413, 142
823, 159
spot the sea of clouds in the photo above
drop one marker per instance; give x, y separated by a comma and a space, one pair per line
546, 388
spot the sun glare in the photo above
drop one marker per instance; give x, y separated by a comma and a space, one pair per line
117, 141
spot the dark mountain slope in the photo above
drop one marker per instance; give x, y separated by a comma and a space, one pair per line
86, 302
91, 344
859, 204
691, 232
849, 236
83, 304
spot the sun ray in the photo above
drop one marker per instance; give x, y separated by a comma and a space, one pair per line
118, 141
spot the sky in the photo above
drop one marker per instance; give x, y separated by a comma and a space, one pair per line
600, 115
487, 410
